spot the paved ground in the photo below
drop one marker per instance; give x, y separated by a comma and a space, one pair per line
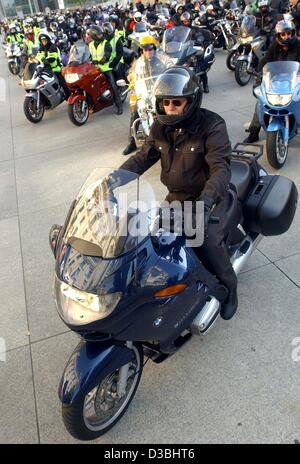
237, 385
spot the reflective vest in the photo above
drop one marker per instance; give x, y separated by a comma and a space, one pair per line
36, 30
98, 54
55, 64
13, 38
113, 44
29, 44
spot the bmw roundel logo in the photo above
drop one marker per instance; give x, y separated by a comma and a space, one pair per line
157, 322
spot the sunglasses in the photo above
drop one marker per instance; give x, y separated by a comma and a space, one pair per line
285, 34
167, 102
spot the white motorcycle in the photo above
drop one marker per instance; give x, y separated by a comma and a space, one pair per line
13, 53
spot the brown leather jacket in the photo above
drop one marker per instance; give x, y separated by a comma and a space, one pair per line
195, 160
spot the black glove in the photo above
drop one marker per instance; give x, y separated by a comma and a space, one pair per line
95, 62
207, 213
209, 206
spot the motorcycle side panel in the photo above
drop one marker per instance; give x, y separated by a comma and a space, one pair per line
140, 315
51, 94
87, 366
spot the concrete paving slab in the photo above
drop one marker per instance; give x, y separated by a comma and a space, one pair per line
6, 148
45, 135
256, 261
285, 245
8, 196
39, 266
18, 422
55, 176
48, 371
291, 267
13, 320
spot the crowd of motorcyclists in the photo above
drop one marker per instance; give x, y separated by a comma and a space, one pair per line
123, 42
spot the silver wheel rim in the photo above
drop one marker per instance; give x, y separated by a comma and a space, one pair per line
79, 114
101, 405
281, 148
34, 110
243, 72
233, 59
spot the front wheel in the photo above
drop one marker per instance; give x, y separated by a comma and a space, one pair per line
277, 149
241, 75
232, 59
33, 112
79, 112
101, 408
14, 67
231, 41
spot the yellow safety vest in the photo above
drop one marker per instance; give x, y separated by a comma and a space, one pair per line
98, 54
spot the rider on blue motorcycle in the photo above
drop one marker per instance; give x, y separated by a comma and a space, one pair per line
285, 47
193, 146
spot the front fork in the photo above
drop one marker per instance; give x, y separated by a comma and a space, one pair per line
123, 375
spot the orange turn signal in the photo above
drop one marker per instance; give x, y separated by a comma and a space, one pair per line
170, 291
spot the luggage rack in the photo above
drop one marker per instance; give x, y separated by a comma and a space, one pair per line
248, 154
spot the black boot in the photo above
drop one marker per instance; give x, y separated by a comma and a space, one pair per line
252, 137
230, 305
119, 110
130, 147
205, 88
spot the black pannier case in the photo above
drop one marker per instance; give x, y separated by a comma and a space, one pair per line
271, 205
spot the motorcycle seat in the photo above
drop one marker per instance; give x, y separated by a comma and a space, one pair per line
241, 177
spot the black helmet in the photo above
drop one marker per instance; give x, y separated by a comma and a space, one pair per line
108, 28
176, 82
96, 33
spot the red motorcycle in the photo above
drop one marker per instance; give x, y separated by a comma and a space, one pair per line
90, 90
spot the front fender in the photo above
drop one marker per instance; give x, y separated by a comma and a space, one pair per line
244, 58
87, 366
31, 94
74, 97
275, 125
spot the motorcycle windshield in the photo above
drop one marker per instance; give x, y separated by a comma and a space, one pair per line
29, 71
79, 54
248, 26
140, 27
113, 214
147, 72
174, 40
12, 47
163, 11
281, 77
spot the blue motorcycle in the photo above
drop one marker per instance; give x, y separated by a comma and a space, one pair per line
131, 286
279, 108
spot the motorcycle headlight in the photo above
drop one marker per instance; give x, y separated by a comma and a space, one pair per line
72, 77
245, 40
279, 100
29, 84
80, 308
